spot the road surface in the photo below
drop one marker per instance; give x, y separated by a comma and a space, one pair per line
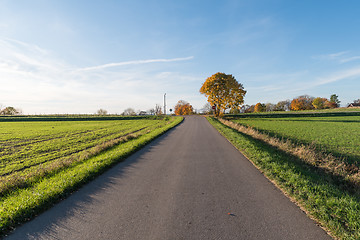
190, 183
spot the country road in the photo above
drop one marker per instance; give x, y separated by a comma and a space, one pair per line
190, 183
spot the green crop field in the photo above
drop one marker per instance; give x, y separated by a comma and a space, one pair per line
338, 135
28, 144
42, 161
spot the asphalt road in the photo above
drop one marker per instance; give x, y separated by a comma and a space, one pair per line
181, 186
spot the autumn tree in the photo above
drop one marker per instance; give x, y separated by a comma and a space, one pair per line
183, 108
329, 104
319, 103
302, 103
235, 111
223, 91
259, 107
249, 109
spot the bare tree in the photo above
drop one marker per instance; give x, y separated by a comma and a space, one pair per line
101, 112
158, 109
151, 111
129, 112
207, 109
269, 107
10, 111
283, 106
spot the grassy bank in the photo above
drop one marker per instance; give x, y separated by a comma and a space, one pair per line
25, 202
320, 193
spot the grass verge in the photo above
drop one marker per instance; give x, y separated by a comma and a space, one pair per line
349, 173
315, 190
23, 204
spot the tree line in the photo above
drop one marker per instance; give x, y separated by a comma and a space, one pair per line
304, 102
157, 110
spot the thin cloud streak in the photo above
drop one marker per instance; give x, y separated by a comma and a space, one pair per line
340, 57
350, 59
332, 78
135, 63
335, 55
331, 56
355, 72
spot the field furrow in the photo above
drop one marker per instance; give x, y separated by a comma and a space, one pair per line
15, 158
53, 155
40, 148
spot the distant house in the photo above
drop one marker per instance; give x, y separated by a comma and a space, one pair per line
142, 113
354, 105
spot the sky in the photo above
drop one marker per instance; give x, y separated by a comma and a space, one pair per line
63, 56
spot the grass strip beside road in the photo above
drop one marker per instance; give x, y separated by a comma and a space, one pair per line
342, 170
24, 204
313, 189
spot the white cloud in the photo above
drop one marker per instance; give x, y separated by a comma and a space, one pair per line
135, 63
33, 79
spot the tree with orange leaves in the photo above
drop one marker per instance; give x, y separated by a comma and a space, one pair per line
183, 108
223, 92
259, 107
302, 103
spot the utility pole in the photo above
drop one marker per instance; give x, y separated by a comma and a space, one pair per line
165, 104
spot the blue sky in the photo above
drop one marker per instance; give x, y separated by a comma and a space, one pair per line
65, 56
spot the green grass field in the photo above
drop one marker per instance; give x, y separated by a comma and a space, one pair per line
43, 161
338, 135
